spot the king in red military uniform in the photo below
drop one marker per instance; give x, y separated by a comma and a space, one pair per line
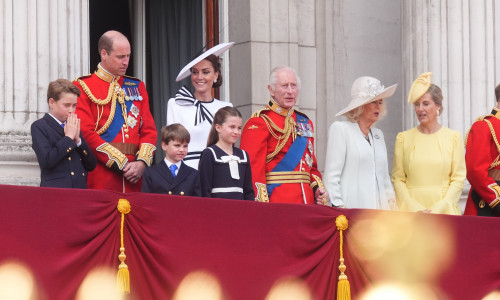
115, 119
482, 158
280, 143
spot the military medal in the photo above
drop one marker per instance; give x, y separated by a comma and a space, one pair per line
310, 146
310, 131
134, 110
131, 121
309, 160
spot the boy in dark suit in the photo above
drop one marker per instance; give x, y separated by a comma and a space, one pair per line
63, 155
172, 176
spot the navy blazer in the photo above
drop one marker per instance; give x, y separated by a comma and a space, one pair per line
62, 163
158, 179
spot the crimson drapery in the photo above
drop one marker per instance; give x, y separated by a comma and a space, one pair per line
62, 234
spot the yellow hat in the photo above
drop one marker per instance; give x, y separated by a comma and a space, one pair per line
419, 87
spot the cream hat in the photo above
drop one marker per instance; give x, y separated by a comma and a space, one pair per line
365, 90
419, 87
216, 50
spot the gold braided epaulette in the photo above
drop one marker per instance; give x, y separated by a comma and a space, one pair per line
83, 77
481, 118
131, 77
257, 113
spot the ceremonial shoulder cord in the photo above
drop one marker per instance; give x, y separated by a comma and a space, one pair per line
285, 133
114, 92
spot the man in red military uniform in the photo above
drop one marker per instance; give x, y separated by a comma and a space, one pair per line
115, 119
280, 143
482, 158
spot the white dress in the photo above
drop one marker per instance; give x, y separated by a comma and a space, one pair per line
357, 172
197, 116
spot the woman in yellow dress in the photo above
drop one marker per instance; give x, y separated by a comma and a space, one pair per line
429, 165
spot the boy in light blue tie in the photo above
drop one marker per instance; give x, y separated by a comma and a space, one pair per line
172, 176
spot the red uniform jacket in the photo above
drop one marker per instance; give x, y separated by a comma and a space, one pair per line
134, 139
480, 154
260, 138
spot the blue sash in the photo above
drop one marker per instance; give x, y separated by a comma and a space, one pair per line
118, 121
292, 158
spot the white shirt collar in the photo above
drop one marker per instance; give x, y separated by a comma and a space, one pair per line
60, 123
169, 163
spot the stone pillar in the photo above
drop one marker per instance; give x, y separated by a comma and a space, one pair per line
40, 41
271, 33
459, 42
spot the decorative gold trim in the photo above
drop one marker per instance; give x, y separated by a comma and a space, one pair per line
262, 195
282, 135
320, 185
494, 203
496, 189
274, 106
288, 177
287, 173
298, 180
114, 155
496, 162
114, 92
146, 153
105, 75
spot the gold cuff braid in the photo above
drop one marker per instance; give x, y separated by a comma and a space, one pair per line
262, 195
319, 183
146, 153
114, 155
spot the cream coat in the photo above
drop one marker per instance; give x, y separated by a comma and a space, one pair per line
356, 172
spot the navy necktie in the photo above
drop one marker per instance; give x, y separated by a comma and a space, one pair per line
173, 168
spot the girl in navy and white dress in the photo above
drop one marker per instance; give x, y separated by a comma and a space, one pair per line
225, 169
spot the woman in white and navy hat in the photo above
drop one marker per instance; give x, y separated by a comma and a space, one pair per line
356, 170
195, 111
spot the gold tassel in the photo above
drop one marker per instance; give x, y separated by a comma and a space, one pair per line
123, 276
343, 287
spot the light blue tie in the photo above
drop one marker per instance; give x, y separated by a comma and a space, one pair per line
173, 168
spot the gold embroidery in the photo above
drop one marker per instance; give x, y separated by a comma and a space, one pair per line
114, 155
146, 153
288, 177
320, 185
262, 195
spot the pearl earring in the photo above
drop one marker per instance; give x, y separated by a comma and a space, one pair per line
215, 81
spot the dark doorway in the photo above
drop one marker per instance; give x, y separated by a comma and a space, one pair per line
109, 15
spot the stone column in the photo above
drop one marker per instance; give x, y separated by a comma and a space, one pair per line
459, 42
40, 41
271, 33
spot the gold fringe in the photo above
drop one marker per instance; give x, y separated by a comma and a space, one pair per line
343, 287
123, 276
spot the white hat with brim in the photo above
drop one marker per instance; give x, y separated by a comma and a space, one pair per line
216, 50
365, 90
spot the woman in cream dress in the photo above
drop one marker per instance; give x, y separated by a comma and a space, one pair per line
356, 170
429, 163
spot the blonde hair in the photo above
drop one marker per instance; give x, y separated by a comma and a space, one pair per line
354, 114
